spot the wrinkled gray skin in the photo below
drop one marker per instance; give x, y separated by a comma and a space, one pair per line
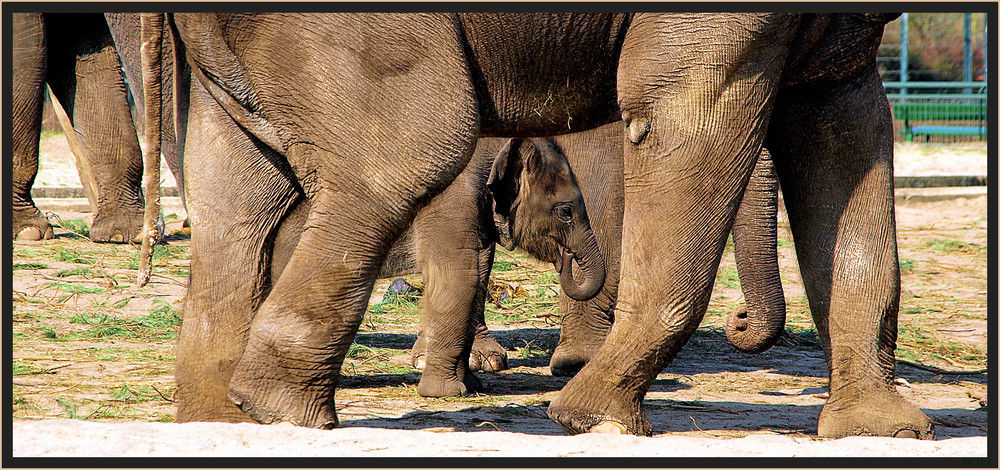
597, 155
521, 192
394, 119
75, 56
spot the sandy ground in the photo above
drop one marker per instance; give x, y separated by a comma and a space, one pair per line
39, 438
710, 401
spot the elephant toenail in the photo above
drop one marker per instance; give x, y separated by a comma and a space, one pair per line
117, 237
609, 427
906, 433
30, 234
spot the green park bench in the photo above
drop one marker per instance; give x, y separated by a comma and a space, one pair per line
917, 112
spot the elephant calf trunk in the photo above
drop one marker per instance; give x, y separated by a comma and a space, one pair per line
591, 264
152, 45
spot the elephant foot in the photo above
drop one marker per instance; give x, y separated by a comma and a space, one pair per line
567, 360
438, 387
275, 402
487, 355
578, 409
34, 234
571, 355
31, 225
875, 413
123, 226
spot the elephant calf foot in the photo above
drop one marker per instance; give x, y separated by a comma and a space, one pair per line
597, 413
122, 226
31, 225
432, 386
487, 355
875, 413
568, 360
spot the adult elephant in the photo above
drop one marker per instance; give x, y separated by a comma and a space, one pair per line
393, 120
75, 56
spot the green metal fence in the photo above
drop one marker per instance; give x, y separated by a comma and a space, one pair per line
938, 111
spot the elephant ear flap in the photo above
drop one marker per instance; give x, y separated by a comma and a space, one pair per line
504, 180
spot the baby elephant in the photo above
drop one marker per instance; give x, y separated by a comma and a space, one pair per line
519, 193
596, 158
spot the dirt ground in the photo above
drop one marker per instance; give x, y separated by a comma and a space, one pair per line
89, 347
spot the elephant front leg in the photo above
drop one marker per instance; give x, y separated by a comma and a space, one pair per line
694, 128
833, 152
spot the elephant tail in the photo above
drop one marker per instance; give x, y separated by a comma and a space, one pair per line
757, 326
152, 45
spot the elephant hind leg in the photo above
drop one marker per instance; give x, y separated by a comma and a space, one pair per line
28, 82
239, 201
85, 76
833, 152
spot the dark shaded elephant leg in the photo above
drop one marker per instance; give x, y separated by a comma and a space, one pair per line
487, 355
832, 147
29, 64
676, 220
85, 76
234, 219
596, 158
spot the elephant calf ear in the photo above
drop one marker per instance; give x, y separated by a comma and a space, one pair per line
505, 177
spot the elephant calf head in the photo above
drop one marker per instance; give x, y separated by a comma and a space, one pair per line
538, 206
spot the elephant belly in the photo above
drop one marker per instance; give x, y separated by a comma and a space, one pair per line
544, 74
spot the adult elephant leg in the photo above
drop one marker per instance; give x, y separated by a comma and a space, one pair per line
85, 75
386, 130
238, 199
596, 158
694, 128
29, 63
832, 146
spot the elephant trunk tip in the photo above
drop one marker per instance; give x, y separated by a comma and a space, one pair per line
751, 336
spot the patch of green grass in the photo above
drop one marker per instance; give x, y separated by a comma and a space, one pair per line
947, 245
535, 349
547, 278
70, 255
69, 408
906, 265
170, 217
129, 394
76, 226
502, 266
17, 266
728, 277
50, 133
785, 243
26, 368
25, 252
75, 288
48, 332
81, 271
160, 252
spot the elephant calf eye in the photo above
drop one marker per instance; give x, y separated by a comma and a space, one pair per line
564, 212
